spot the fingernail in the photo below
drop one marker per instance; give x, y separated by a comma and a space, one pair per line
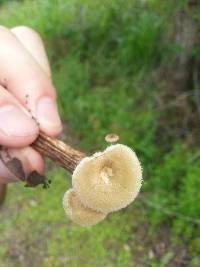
47, 116
13, 122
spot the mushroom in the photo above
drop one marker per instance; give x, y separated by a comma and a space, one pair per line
78, 213
109, 180
111, 138
104, 182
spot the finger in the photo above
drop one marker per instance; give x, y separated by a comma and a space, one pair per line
33, 43
17, 129
30, 158
25, 79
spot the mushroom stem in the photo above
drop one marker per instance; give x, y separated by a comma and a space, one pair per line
66, 156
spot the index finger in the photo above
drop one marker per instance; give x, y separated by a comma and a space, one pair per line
33, 43
22, 75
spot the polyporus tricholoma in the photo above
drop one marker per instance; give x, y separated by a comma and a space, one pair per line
78, 213
104, 182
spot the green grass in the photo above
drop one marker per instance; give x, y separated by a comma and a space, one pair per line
33, 225
105, 56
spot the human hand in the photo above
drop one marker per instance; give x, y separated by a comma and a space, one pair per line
27, 99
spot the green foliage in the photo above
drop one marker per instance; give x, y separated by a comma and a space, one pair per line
175, 192
104, 55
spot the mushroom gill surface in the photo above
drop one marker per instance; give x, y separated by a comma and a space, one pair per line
109, 180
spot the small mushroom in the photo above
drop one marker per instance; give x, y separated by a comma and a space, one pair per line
108, 181
78, 213
111, 138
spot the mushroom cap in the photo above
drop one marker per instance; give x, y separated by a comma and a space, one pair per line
109, 180
78, 213
111, 138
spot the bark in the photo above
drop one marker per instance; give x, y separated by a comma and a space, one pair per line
63, 154
178, 98
186, 37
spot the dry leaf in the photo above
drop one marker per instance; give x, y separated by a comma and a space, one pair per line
34, 179
15, 166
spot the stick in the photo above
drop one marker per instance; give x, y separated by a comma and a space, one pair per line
66, 156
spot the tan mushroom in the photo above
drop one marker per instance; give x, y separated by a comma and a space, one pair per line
78, 213
111, 138
105, 182
108, 181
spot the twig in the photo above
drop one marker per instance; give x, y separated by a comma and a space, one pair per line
66, 156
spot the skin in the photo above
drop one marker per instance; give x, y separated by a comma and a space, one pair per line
26, 91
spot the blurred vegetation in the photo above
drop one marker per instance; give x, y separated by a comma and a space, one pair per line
107, 58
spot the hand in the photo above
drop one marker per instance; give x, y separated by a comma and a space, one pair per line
27, 98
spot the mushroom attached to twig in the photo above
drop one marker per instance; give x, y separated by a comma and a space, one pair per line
104, 182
